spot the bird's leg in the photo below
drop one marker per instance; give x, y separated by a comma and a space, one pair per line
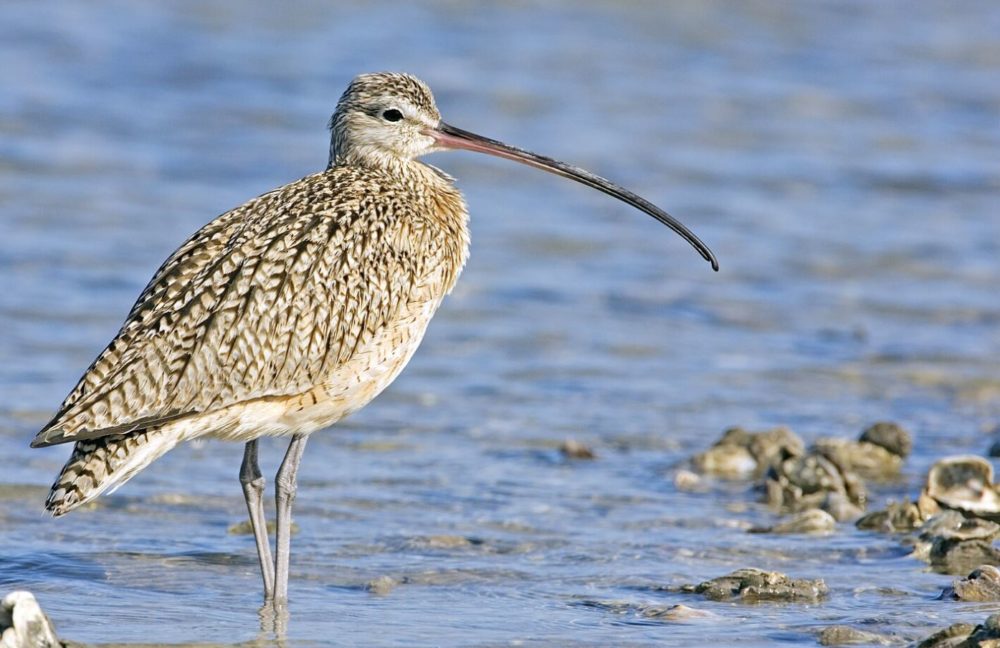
253, 490
284, 489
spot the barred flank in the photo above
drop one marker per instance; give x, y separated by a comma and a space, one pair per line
98, 465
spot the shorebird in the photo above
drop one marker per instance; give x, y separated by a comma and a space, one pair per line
292, 311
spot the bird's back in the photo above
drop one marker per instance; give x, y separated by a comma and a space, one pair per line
271, 299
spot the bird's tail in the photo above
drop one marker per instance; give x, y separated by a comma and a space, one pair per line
103, 464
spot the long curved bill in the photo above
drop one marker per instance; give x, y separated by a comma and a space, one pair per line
448, 136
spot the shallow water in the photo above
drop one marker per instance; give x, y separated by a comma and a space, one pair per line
839, 157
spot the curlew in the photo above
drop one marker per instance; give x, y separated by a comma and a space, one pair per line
292, 311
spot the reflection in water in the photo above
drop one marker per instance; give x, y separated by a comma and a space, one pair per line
846, 172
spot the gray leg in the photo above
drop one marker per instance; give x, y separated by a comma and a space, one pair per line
284, 489
253, 491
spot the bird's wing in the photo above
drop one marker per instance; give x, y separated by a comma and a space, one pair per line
265, 300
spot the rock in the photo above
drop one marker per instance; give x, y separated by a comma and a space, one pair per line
986, 634
840, 635
738, 436
740, 454
676, 613
955, 544
964, 483
668, 613
890, 436
750, 585
685, 480
796, 480
928, 506
808, 521
772, 445
952, 525
382, 585
801, 482
869, 460
958, 556
840, 507
953, 636
726, 461
573, 449
901, 516
24, 625
965, 635
983, 584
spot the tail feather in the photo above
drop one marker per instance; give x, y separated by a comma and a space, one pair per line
105, 463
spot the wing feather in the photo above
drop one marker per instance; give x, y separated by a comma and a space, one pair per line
265, 300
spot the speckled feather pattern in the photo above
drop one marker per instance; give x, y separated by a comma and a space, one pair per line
267, 300
278, 317
99, 465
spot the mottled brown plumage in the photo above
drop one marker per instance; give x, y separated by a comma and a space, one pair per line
95, 462
269, 299
264, 307
291, 311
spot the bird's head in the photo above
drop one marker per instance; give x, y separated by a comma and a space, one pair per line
386, 120
382, 118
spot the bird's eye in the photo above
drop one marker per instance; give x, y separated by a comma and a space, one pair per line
392, 115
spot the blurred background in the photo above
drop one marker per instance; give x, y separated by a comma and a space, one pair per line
842, 158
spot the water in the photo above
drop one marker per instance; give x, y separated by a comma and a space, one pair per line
839, 157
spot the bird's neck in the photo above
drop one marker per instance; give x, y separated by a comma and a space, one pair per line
411, 173
445, 207
436, 196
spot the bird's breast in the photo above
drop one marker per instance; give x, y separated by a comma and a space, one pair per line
421, 257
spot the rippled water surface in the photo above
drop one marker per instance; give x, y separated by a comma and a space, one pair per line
841, 158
